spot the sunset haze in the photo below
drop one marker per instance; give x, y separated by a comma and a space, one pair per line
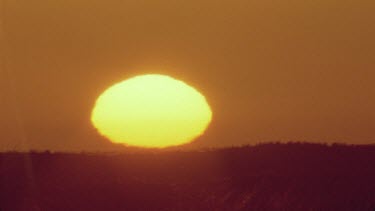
270, 70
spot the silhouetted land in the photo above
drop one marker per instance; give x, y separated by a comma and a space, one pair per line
266, 177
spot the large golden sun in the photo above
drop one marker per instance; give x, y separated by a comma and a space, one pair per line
151, 111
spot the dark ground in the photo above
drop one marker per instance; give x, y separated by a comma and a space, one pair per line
266, 177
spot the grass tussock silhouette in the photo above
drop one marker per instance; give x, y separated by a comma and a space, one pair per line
292, 176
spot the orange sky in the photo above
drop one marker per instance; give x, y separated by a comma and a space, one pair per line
272, 70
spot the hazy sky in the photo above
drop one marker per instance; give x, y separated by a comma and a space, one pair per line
271, 70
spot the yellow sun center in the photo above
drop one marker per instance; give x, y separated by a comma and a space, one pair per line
151, 111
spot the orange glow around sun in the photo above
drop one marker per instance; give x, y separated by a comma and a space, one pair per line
151, 111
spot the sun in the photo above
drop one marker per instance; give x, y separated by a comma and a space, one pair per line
152, 111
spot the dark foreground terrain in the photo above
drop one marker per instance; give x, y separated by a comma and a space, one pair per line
266, 177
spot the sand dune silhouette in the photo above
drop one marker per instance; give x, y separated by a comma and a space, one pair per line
265, 177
